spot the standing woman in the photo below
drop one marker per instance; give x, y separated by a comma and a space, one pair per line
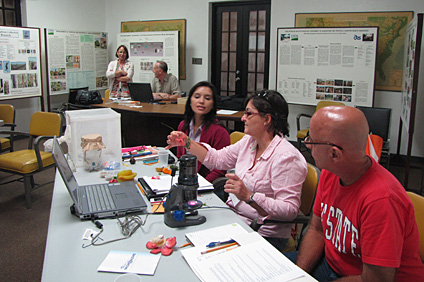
269, 170
119, 73
201, 125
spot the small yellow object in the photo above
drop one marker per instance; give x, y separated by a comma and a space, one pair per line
159, 169
126, 175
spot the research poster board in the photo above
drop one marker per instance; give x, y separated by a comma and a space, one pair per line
146, 48
413, 40
76, 59
335, 64
20, 62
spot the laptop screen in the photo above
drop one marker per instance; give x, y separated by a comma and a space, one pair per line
141, 92
65, 171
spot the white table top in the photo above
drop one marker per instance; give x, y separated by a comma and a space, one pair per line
66, 260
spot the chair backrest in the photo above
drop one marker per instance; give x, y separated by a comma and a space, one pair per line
236, 136
45, 123
418, 202
309, 189
7, 113
378, 120
322, 104
107, 92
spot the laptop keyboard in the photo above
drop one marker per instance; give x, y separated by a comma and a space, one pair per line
99, 198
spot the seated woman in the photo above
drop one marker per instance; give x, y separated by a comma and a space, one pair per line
269, 171
119, 73
201, 125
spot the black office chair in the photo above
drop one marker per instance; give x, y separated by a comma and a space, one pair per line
379, 123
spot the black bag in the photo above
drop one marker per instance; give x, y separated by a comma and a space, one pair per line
88, 97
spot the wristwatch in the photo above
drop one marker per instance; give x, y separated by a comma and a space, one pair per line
251, 201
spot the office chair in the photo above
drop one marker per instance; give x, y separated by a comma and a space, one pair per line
418, 202
218, 184
7, 114
307, 198
379, 123
302, 133
28, 162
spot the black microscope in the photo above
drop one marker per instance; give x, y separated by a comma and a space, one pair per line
181, 204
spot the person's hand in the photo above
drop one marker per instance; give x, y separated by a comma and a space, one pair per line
175, 139
236, 186
121, 73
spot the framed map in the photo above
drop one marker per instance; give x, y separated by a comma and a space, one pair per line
391, 39
164, 25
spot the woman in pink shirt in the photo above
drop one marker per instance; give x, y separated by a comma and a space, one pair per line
269, 171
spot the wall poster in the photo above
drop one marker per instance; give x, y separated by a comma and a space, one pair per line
146, 48
163, 25
336, 64
20, 62
391, 36
76, 59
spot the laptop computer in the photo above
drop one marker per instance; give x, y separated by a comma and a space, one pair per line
104, 200
141, 92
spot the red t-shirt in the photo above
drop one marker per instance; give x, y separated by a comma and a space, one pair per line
371, 221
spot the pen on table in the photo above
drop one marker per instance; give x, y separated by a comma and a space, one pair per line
219, 243
218, 248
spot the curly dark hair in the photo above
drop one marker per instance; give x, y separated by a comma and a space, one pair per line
273, 103
208, 118
126, 50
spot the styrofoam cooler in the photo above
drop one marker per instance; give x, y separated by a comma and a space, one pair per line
105, 122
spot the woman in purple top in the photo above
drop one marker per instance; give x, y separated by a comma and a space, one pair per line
269, 170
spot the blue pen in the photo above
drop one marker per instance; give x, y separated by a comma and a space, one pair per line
219, 243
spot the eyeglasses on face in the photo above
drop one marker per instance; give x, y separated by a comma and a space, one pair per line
308, 141
249, 114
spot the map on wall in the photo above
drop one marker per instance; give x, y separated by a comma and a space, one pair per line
391, 39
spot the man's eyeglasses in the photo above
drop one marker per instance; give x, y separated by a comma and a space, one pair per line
308, 141
249, 114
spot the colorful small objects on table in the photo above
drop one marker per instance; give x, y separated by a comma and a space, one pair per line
161, 245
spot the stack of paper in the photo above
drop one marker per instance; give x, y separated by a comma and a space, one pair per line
133, 262
254, 260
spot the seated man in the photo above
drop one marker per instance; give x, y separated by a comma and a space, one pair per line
363, 225
164, 86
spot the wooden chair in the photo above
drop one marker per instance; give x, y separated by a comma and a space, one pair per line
7, 114
30, 161
302, 133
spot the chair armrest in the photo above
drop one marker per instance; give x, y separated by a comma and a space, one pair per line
298, 119
36, 144
300, 218
9, 132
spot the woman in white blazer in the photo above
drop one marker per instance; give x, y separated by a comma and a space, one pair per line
119, 73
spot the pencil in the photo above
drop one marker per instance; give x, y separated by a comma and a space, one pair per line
219, 248
185, 245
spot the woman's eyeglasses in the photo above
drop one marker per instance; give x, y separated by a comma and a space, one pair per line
308, 141
249, 114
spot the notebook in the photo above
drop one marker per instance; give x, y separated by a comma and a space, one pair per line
141, 92
103, 200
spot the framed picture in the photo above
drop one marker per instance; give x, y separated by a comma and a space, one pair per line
391, 39
162, 25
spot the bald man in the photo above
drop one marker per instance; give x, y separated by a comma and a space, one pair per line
363, 225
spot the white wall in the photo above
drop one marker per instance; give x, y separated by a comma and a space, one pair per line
107, 15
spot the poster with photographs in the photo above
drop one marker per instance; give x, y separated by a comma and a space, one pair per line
76, 59
333, 64
20, 67
410, 70
146, 48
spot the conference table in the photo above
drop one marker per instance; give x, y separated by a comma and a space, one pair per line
66, 260
150, 124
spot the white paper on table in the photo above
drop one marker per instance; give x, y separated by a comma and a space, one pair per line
130, 262
226, 112
254, 260
163, 183
221, 233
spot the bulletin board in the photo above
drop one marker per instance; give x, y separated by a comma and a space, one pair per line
146, 48
20, 63
335, 64
76, 59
